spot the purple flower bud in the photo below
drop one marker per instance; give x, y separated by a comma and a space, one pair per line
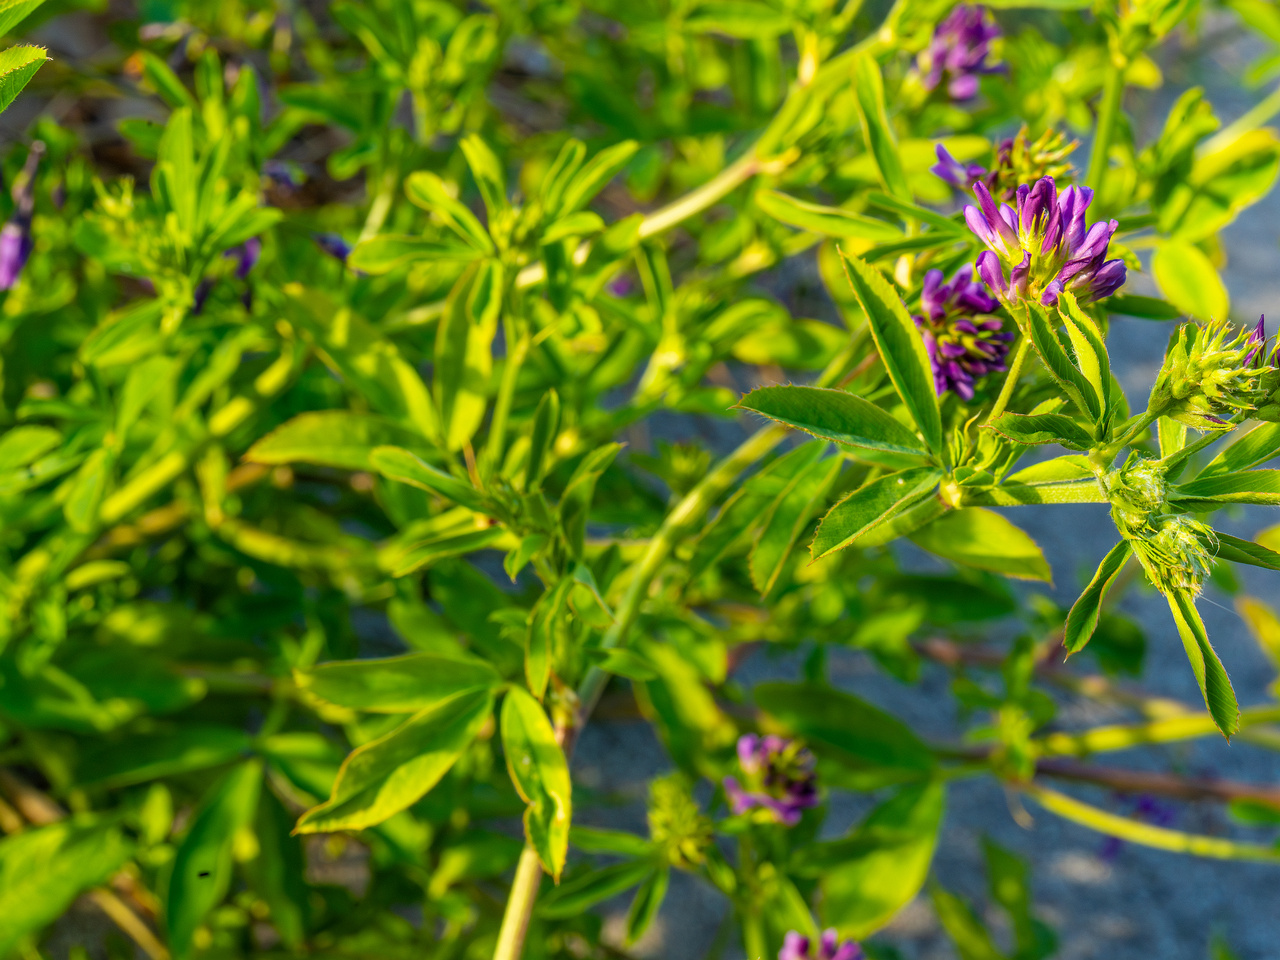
956, 173
16, 242
780, 778
796, 946
333, 244
248, 253
1257, 341
958, 52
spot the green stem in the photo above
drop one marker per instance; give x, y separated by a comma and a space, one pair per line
506, 394
515, 920
1263, 111
1108, 110
1135, 831
1011, 379
1124, 736
1023, 494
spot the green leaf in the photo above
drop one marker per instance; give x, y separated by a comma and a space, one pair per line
396, 463
1053, 354
389, 774
17, 66
428, 191
646, 903
584, 223
743, 511
860, 742
825, 221
617, 842
868, 88
13, 12
1189, 280
87, 489
546, 425
881, 867
145, 757
277, 873
1083, 618
1086, 342
575, 502
383, 254
486, 168
333, 438
42, 871
1215, 685
582, 187
984, 539
541, 776
1043, 428
402, 559
464, 350
1248, 450
23, 445
786, 520
901, 348
872, 506
1250, 486
201, 874
1009, 884
738, 18
1227, 547
574, 897
1145, 308
834, 415
546, 620
971, 939
395, 684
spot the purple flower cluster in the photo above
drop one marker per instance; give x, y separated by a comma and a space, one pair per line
779, 775
246, 256
958, 52
1042, 240
796, 946
16, 242
333, 245
964, 341
1018, 160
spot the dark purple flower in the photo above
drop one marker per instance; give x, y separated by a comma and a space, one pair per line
283, 174
779, 778
333, 244
796, 946
962, 175
958, 52
247, 255
1042, 239
964, 341
1145, 808
16, 243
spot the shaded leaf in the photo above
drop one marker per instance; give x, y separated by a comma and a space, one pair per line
541, 776
871, 506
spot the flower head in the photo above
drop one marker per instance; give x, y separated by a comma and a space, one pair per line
1210, 374
333, 245
796, 946
964, 341
1042, 239
16, 243
1175, 550
958, 52
1018, 160
779, 778
676, 824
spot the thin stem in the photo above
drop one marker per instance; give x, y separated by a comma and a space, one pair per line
129, 922
515, 919
1144, 833
1125, 736
1011, 379
1253, 118
1108, 110
506, 393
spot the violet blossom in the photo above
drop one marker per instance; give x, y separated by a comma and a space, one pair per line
333, 245
16, 242
965, 342
779, 778
1042, 241
796, 946
958, 52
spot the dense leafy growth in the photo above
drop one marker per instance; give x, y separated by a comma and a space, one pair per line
336, 491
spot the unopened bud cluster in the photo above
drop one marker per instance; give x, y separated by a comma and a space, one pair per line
1172, 547
676, 824
1211, 374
